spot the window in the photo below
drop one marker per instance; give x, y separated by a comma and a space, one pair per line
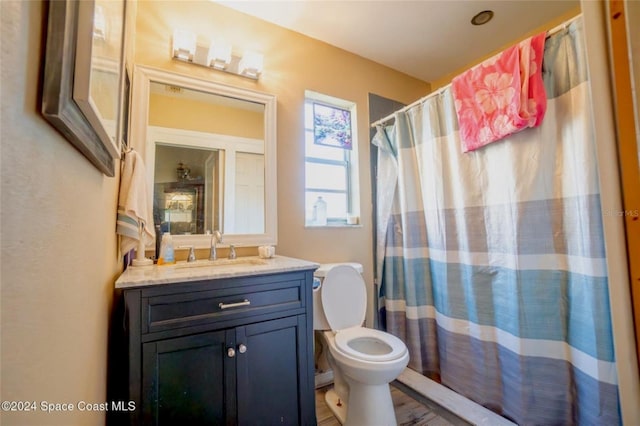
331, 170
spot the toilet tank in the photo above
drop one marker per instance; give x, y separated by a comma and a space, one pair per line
319, 320
324, 267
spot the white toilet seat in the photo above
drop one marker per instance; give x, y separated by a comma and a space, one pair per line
368, 344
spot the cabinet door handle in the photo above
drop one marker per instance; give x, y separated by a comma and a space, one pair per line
231, 352
245, 302
242, 348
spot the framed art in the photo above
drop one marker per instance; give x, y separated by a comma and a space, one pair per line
331, 126
83, 76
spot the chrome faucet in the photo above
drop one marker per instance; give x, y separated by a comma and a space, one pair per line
216, 238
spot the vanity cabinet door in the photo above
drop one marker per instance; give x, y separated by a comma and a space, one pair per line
189, 380
271, 373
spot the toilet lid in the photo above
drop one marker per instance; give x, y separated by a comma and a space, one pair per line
344, 297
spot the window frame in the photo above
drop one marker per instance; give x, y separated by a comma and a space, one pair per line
348, 161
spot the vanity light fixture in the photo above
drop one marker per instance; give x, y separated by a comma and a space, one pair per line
251, 64
218, 55
184, 45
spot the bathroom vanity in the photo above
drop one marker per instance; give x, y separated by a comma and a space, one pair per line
223, 342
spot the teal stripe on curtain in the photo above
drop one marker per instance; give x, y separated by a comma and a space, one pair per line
530, 304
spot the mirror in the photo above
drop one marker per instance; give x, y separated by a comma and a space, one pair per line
83, 69
210, 154
99, 67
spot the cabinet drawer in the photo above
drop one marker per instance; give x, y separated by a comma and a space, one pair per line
166, 312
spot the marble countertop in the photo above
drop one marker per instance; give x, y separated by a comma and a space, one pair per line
204, 269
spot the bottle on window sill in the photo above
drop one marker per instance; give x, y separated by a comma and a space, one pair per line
320, 212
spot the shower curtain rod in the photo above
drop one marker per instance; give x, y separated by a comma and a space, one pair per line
391, 116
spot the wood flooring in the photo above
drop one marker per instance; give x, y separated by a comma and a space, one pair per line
410, 410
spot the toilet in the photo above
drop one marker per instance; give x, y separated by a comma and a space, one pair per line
364, 361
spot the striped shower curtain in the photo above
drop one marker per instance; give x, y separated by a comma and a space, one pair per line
492, 263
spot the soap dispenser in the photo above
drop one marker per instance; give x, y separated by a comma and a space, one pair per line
166, 250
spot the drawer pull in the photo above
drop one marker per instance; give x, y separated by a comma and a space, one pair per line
245, 302
242, 348
231, 352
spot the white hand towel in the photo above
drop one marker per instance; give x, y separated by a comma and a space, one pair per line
134, 204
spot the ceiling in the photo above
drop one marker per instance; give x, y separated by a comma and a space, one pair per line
426, 39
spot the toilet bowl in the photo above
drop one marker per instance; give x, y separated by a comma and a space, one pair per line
363, 360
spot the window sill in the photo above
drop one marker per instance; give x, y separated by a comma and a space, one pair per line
334, 225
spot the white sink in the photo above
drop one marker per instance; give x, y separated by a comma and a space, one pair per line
240, 261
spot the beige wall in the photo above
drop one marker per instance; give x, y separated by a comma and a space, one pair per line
58, 244
293, 64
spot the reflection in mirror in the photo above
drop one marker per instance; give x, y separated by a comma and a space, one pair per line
185, 198
99, 60
210, 152
234, 129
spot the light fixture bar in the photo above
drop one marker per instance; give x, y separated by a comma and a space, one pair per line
216, 56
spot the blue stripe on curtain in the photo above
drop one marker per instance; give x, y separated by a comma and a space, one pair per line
530, 304
493, 269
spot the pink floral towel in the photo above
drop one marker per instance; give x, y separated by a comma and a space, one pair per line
502, 95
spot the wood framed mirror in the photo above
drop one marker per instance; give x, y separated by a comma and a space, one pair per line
83, 76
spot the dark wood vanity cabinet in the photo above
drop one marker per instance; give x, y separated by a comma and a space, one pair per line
224, 351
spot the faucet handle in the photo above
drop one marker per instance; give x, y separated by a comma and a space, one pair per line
232, 252
192, 253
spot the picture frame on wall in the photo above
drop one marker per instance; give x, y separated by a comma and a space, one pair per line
83, 76
332, 126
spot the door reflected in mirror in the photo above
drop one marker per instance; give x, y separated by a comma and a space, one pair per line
209, 169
